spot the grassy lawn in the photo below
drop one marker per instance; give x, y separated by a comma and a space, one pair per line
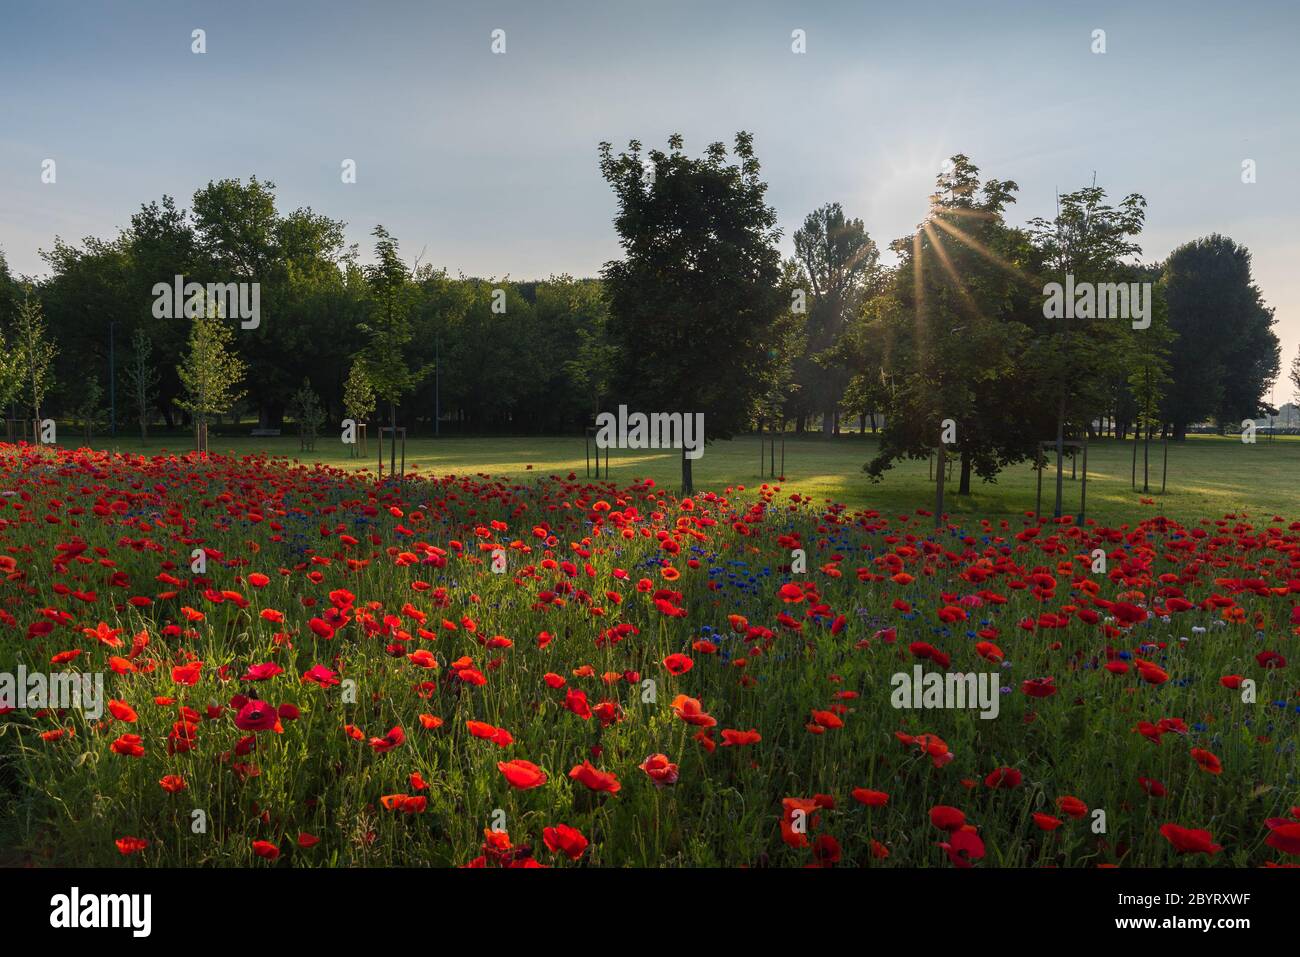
1208, 475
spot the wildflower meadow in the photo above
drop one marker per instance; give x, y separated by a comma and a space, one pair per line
303, 667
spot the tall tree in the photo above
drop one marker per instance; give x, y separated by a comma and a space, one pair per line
1147, 373
950, 330
839, 261
590, 363
297, 260
1090, 241
1227, 355
162, 245
8, 288
694, 300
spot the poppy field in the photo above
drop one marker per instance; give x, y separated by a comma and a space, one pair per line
302, 668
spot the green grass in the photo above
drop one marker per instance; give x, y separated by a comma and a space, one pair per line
1209, 476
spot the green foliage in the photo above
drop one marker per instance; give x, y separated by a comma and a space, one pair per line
838, 266
142, 379
951, 330
1077, 363
695, 298
210, 370
358, 394
34, 352
590, 367
306, 409
1227, 355
11, 379
89, 410
387, 324
695, 316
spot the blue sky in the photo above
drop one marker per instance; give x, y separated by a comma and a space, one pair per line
487, 162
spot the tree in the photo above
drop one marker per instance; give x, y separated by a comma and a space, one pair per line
1227, 355
358, 393
209, 372
780, 386
694, 300
839, 261
1148, 377
949, 332
89, 408
358, 398
389, 329
590, 368
11, 372
308, 319
142, 380
859, 352
1295, 375
8, 287
305, 408
1078, 359
35, 354
571, 321
161, 245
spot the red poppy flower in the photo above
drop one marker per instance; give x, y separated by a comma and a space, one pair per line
678, 664
964, 847
946, 818
1189, 840
122, 711
690, 711
660, 770
565, 840
522, 774
130, 845
1207, 761
870, 798
586, 773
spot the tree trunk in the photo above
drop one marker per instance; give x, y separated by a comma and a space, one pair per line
1146, 459
688, 485
1060, 452
964, 487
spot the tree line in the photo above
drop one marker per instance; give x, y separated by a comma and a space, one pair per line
699, 313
